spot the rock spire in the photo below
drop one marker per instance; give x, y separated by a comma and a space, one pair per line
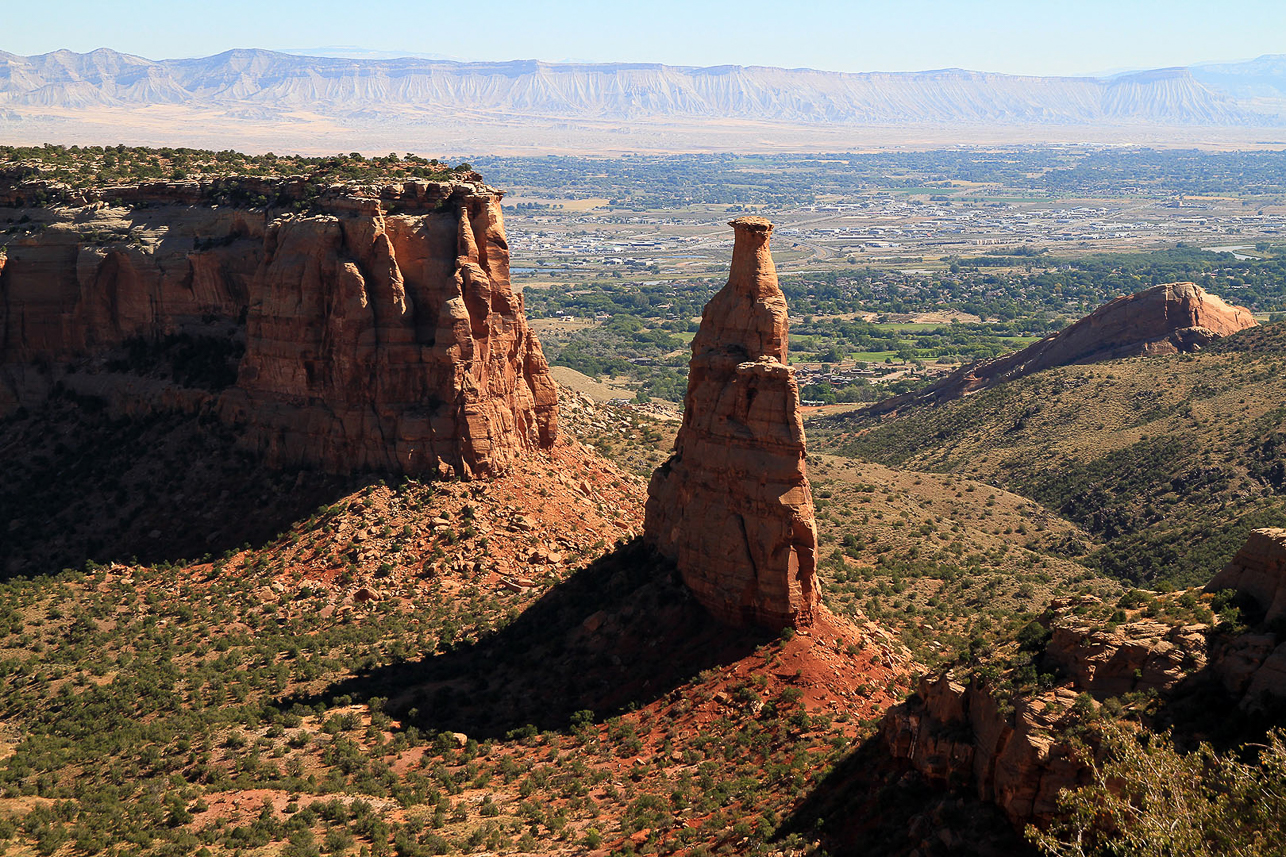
732, 506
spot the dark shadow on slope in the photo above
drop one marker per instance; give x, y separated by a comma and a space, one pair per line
80, 484
624, 630
1221, 704
1201, 710
872, 804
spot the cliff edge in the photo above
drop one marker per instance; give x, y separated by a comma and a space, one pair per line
1012, 731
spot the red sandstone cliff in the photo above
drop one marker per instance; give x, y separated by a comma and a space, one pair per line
378, 330
732, 506
1165, 319
1259, 572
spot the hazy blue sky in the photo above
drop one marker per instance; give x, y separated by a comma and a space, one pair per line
1033, 36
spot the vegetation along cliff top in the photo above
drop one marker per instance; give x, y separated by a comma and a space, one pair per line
79, 168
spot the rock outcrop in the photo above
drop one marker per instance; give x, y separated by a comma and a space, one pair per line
1137, 656
1005, 750
732, 506
1011, 744
361, 328
1012, 748
1165, 319
1259, 572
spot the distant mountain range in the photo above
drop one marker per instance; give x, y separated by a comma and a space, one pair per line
266, 86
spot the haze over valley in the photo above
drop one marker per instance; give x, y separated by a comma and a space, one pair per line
284, 101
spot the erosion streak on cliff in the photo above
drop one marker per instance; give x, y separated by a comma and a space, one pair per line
732, 505
378, 332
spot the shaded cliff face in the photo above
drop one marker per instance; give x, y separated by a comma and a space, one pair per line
733, 506
1258, 571
379, 331
1165, 319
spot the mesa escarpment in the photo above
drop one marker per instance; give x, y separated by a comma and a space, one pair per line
343, 327
732, 506
1165, 319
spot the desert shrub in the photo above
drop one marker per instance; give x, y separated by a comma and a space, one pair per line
1149, 800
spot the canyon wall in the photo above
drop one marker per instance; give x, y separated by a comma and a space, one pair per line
732, 506
1258, 571
343, 327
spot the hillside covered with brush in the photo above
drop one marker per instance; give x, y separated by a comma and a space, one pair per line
1167, 462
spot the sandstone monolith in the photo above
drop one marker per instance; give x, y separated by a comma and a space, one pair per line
732, 506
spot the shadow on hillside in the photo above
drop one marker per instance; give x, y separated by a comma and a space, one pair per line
621, 631
870, 803
79, 484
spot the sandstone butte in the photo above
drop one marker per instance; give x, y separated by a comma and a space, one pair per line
732, 506
376, 331
1165, 319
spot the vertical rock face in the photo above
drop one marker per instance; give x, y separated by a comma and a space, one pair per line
732, 506
394, 343
378, 332
1259, 571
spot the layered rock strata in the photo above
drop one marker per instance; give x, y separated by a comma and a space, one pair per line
732, 506
365, 328
1165, 319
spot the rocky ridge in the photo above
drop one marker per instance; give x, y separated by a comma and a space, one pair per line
344, 327
264, 84
732, 506
1165, 319
1014, 744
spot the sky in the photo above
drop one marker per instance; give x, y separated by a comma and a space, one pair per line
1046, 37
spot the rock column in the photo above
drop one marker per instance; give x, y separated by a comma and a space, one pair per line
732, 506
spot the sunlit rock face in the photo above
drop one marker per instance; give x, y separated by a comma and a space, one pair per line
732, 506
1167, 319
377, 331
